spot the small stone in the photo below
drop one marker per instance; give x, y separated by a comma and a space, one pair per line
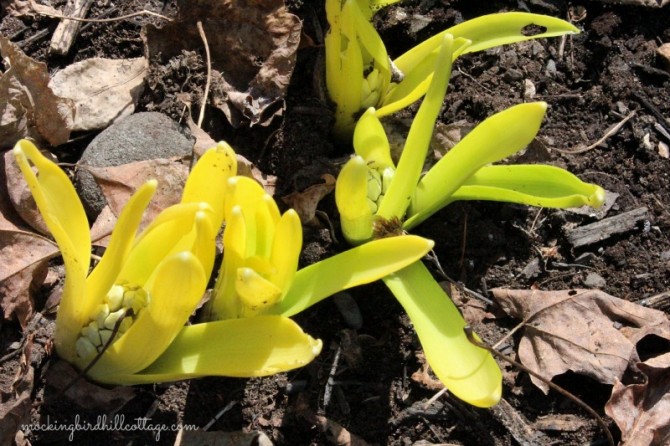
531, 270
551, 70
663, 52
594, 280
663, 150
139, 137
349, 310
512, 75
529, 90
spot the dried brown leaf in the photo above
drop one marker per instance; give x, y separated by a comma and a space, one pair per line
642, 411
103, 226
102, 90
20, 8
306, 202
118, 183
23, 259
253, 48
28, 107
586, 331
21, 197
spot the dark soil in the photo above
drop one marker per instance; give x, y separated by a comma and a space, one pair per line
602, 75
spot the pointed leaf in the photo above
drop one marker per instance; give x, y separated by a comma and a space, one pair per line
105, 273
286, 248
534, 185
257, 346
207, 181
498, 137
225, 303
397, 198
357, 266
64, 215
159, 241
415, 82
468, 371
486, 32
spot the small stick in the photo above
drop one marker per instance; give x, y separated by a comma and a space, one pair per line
470, 335
612, 131
67, 30
219, 415
201, 31
111, 19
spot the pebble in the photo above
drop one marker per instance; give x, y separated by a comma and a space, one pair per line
594, 280
139, 137
349, 310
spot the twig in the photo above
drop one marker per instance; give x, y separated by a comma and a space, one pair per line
470, 335
128, 313
219, 415
612, 131
111, 19
331, 381
201, 31
432, 257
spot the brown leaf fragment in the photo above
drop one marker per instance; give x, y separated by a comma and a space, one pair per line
18, 289
642, 411
28, 107
585, 331
103, 226
306, 202
118, 183
30, 8
253, 48
23, 259
20, 195
560, 423
102, 90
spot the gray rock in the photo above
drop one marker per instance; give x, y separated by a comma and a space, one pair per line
349, 310
594, 280
139, 137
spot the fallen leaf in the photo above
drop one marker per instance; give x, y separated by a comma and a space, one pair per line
586, 331
103, 226
28, 107
560, 423
118, 183
423, 375
102, 90
642, 411
30, 8
306, 202
253, 48
23, 259
20, 195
